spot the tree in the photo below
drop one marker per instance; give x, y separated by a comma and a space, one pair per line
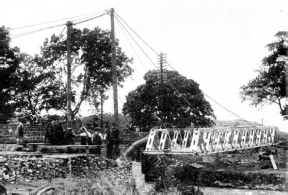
269, 85
151, 105
37, 88
9, 61
91, 64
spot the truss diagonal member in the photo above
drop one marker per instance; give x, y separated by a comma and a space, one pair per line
177, 140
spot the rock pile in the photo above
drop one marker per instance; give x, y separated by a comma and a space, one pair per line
88, 174
119, 176
88, 166
30, 168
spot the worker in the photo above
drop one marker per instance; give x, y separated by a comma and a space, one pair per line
108, 140
20, 133
115, 140
69, 136
97, 140
85, 136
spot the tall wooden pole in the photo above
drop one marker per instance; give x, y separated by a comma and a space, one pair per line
161, 87
69, 112
114, 72
101, 117
286, 73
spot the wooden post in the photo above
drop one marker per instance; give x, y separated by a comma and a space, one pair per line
114, 70
162, 58
69, 112
101, 117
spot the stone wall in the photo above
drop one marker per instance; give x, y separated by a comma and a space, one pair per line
27, 167
33, 133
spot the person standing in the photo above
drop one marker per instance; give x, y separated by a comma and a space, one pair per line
69, 136
48, 132
85, 136
115, 140
97, 140
20, 133
109, 141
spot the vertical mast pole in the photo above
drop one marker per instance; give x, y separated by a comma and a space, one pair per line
161, 87
114, 72
69, 112
101, 117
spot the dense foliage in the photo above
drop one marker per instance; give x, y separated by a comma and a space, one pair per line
178, 102
37, 88
91, 64
269, 85
9, 62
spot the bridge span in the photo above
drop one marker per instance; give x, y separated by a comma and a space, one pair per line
203, 141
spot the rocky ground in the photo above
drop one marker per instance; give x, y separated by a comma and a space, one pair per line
118, 180
248, 169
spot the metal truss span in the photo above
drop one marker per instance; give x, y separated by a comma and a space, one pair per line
204, 141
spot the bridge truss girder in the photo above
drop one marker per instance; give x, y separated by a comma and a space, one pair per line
204, 141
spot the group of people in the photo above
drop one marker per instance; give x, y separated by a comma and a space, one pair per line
95, 137
88, 136
55, 134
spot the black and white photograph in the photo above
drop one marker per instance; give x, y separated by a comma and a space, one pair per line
140, 97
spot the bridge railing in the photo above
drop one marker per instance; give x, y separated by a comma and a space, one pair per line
208, 140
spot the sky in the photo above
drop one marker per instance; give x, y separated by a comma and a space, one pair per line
219, 44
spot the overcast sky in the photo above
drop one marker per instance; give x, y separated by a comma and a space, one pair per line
219, 44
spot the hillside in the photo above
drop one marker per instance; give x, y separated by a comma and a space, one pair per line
234, 123
106, 118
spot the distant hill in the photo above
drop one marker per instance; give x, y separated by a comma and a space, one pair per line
107, 117
281, 135
234, 123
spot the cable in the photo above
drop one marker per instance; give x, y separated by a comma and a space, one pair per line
141, 48
137, 35
153, 62
157, 68
171, 66
52, 21
229, 110
62, 31
31, 32
219, 103
117, 15
89, 19
82, 18
121, 26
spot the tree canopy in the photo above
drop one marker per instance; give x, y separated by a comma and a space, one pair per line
42, 82
269, 85
91, 64
37, 88
153, 104
9, 62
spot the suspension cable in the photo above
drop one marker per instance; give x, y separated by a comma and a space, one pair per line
50, 27
117, 15
121, 26
53, 21
138, 35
